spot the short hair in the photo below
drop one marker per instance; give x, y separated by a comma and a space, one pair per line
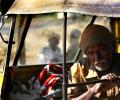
54, 36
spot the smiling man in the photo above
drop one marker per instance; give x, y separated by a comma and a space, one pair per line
101, 62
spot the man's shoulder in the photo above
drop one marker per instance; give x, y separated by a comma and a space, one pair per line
45, 48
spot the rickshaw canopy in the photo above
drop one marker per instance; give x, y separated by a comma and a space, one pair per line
110, 8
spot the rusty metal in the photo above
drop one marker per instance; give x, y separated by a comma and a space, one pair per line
4, 90
87, 83
24, 33
93, 82
10, 42
64, 84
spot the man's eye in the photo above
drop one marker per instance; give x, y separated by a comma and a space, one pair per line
103, 49
90, 53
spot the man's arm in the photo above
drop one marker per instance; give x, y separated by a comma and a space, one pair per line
100, 87
85, 96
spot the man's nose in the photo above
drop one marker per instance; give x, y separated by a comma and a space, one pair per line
98, 56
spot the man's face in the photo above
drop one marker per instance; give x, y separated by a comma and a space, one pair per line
99, 56
53, 42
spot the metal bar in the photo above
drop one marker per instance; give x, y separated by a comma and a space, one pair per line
77, 55
21, 24
115, 26
117, 80
93, 20
79, 51
4, 90
93, 82
111, 24
87, 83
11, 35
5, 5
24, 33
64, 85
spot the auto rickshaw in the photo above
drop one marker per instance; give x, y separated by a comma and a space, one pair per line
12, 8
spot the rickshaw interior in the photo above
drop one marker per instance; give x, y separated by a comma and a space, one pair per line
29, 28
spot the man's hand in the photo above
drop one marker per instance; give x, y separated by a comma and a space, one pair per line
101, 87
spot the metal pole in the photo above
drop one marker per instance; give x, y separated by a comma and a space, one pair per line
88, 83
11, 35
4, 90
64, 85
21, 44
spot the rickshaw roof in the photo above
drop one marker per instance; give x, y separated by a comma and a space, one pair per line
109, 8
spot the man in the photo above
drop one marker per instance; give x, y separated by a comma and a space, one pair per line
101, 62
51, 53
74, 45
